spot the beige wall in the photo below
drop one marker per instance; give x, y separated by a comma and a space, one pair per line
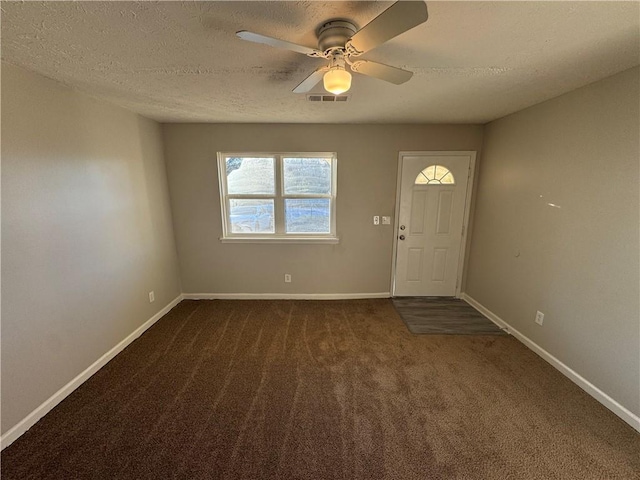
577, 262
87, 230
367, 167
86, 234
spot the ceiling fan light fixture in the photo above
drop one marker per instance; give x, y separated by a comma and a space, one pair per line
337, 80
340, 42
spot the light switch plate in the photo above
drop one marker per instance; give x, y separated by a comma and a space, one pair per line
386, 220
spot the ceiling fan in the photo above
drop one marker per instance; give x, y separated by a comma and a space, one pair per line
341, 44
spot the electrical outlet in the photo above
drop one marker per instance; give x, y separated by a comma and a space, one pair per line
152, 297
287, 278
376, 220
539, 317
386, 220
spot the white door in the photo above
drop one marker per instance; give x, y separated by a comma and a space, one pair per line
431, 215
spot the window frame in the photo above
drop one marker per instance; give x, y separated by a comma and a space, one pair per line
279, 197
434, 182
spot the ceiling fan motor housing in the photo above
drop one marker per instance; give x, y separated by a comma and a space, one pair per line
334, 34
339, 42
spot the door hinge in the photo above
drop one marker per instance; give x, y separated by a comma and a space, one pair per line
463, 230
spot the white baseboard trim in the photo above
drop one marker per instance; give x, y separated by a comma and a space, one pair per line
30, 420
487, 313
284, 296
622, 412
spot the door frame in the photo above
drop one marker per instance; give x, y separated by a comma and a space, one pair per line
467, 209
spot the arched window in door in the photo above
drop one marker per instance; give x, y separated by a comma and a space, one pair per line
435, 175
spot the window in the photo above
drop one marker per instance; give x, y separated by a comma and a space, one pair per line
435, 175
276, 197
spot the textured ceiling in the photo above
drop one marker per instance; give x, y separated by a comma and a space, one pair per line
181, 61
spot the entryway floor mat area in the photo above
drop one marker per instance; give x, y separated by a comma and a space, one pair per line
443, 316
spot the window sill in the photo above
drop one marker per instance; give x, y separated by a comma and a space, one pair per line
258, 239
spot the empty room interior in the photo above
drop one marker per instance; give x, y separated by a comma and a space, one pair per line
320, 240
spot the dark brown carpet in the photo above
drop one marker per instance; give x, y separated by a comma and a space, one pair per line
443, 316
322, 390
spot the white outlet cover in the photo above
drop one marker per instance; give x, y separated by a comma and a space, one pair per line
376, 220
539, 317
152, 297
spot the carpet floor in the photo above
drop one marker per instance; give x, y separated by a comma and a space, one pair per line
443, 316
322, 390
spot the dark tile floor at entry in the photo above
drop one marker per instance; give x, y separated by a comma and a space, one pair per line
443, 316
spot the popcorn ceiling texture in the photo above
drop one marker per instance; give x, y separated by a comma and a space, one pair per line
181, 61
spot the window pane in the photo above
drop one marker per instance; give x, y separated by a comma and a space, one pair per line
421, 179
307, 176
308, 215
448, 178
251, 216
440, 172
435, 175
250, 176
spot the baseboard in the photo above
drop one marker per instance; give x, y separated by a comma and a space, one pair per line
14, 433
622, 412
30, 420
284, 296
487, 313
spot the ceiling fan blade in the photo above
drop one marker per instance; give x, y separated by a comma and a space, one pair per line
275, 42
381, 71
397, 19
311, 81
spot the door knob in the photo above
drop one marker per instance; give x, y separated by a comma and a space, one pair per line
401, 237
402, 227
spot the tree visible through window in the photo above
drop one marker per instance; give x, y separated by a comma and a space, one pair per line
278, 195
